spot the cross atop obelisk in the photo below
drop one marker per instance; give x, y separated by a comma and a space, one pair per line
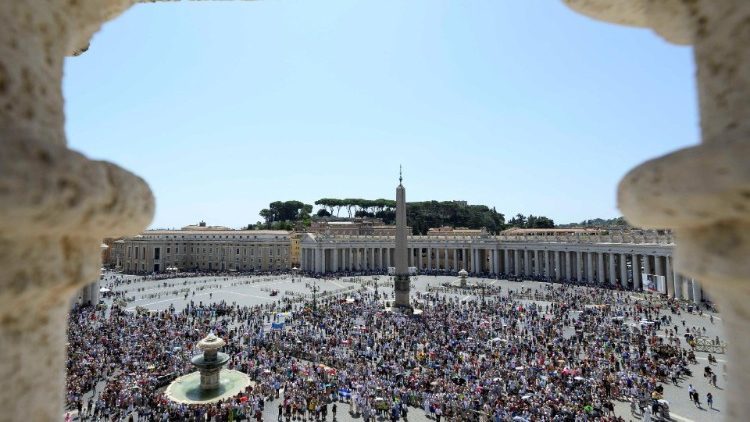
401, 284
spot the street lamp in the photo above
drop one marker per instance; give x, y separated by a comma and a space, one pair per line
315, 295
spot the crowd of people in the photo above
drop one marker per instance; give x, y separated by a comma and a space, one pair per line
549, 353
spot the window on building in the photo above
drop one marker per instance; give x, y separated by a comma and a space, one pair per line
168, 250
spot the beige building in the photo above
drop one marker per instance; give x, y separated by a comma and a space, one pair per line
612, 257
517, 231
455, 231
204, 248
294, 252
353, 227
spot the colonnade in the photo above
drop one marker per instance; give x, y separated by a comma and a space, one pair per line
587, 263
58, 204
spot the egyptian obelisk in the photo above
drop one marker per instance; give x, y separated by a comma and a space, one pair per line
401, 286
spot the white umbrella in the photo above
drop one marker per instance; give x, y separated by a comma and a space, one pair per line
104, 290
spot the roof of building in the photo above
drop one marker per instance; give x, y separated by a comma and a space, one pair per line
518, 230
223, 232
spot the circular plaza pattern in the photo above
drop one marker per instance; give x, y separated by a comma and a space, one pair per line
507, 351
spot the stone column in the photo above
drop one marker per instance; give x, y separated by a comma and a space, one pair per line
568, 272
658, 266
56, 205
589, 267
600, 268
537, 263
669, 276
496, 261
579, 266
701, 192
647, 264
547, 272
517, 263
612, 269
558, 266
697, 294
527, 262
636, 267
335, 259
623, 270
506, 253
455, 259
419, 258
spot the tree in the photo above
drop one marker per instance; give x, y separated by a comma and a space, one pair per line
323, 213
531, 222
267, 215
285, 211
349, 203
518, 221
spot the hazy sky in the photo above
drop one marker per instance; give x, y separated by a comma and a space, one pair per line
527, 106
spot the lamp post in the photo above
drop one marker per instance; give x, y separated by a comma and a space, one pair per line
315, 295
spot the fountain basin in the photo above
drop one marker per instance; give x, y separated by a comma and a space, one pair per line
187, 388
200, 361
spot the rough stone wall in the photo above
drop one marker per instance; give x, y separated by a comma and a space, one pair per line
56, 205
702, 192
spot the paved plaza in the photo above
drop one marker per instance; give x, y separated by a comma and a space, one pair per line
257, 290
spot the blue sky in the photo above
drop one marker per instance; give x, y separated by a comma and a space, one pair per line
527, 106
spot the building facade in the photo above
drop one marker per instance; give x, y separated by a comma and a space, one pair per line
294, 241
353, 227
618, 259
203, 248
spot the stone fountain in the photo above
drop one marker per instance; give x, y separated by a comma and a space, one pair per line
209, 364
210, 383
462, 277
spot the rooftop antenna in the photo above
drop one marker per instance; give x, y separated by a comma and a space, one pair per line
400, 177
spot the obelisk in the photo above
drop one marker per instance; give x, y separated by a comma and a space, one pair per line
401, 285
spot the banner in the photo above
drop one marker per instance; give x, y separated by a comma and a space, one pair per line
654, 283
